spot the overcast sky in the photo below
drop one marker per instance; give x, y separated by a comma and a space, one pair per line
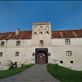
64, 15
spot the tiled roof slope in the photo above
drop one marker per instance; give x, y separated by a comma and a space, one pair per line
28, 34
12, 35
67, 34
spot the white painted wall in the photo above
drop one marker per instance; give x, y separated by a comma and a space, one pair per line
59, 52
57, 48
25, 52
61, 41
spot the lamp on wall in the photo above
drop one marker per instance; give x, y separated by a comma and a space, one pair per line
49, 54
33, 54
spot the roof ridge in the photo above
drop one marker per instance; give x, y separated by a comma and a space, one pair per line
14, 31
66, 30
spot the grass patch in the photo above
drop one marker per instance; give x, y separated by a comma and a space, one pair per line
7, 73
64, 74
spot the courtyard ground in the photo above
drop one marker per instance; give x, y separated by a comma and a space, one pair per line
37, 73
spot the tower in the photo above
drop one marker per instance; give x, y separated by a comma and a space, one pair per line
41, 33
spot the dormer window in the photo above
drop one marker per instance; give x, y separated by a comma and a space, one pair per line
2, 43
18, 43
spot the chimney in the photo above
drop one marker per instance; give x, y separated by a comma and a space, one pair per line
17, 31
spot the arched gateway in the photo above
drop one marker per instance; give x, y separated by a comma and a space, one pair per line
41, 55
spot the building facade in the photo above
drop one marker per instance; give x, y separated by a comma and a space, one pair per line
41, 45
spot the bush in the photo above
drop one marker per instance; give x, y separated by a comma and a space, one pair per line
13, 66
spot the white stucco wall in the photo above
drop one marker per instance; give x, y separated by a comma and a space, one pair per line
59, 52
9, 49
57, 49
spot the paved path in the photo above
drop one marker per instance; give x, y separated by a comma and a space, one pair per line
37, 73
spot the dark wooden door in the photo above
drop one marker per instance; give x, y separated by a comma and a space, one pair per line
41, 58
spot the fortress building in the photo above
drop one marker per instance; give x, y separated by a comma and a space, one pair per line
41, 45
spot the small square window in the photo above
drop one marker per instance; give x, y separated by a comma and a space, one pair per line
71, 62
41, 32
18, 43
1, 54
68, 53
35, 33
67, 41
61, 61
2, 43
17, 54
47, 32
41, 42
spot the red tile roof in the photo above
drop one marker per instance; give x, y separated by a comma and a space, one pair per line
54, 34
12, 35
67, 34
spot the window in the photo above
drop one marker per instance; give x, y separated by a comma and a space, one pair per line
2, 43
41, 26
61, 61
41, 32
47, 32
35, 27
47, 26
1, 54
41, 42
17, 54
71, 62
18, 43
67, 41
68, 53
35, 33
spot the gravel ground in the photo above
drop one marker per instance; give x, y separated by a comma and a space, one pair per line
37, 73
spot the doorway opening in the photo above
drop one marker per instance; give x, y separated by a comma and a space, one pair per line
41, 55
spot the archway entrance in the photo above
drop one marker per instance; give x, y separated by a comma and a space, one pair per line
41, 56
